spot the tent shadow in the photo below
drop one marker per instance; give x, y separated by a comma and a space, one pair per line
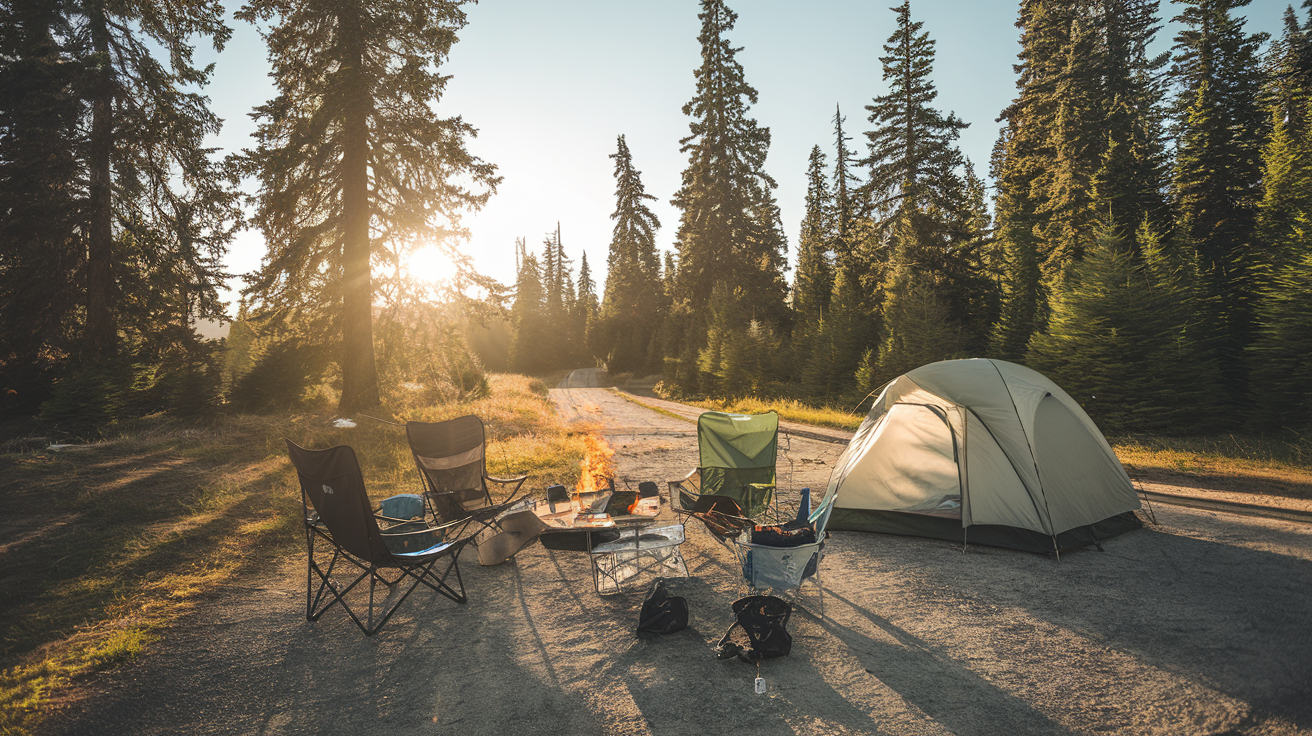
1229, 617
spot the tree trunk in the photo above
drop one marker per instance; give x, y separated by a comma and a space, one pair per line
101, 337
359, 374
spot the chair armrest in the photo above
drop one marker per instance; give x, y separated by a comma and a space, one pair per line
685, 478
516, 479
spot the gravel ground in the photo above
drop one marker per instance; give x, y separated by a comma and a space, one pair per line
1196, 625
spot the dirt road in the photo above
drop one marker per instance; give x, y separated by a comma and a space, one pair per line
1199, 625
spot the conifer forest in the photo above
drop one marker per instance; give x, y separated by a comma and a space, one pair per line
1140, 234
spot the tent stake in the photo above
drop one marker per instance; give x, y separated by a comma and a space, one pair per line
1055, 548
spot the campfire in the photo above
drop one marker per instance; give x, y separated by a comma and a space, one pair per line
597, 466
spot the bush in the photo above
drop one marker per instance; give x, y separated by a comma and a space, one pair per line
91, 397
280, 377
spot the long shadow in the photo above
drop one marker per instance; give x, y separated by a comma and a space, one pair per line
1233, 618
1205, 481
257, 666
95, 539
929, 678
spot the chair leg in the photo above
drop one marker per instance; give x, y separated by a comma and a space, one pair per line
821, 587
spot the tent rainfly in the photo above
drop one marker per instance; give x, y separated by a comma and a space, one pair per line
986, 452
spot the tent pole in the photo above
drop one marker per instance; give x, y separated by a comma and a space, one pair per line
1144, 495
963, 539
1055, 548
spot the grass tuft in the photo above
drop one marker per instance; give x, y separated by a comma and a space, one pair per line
789, 409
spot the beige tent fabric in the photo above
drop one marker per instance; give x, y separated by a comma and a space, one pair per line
911, 462
995, 495
1026, 453
1069, 471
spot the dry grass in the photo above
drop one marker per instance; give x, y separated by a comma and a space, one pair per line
789, 409
1241, 463
103, 544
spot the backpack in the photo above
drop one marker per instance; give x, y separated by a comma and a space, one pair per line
764, 618
662, 613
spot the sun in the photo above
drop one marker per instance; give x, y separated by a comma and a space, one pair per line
430, 264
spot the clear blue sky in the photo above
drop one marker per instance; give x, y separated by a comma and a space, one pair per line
549, 85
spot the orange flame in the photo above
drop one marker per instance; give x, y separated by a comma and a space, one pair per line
597, 465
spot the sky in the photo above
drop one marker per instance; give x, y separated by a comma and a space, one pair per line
550, 85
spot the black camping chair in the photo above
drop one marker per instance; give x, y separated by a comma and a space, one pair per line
336, 511
452, 460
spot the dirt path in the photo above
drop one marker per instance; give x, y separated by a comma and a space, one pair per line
1199, 625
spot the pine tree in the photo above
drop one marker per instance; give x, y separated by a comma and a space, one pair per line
1122, 340
1067, 212
531, 342
925, 218
919, 329
633, 303
814, 282
1219, 128
349, 147
1282, 373
913, 160
151, 183
1284, 337
1128, 187
1287, 155
729, 229
846, 186
587, 311
42, 186
1082, 145
1023, 154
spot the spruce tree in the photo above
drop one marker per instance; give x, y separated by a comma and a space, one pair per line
586, 310
531, 340
921, 204
153, 191
844, 195
729, 229
1287, 155
919, 329
1282, 374
1023, 155
1123, 338
1082, 145
1284, 336
814, 282
42, 187
913, 160
1217, 183
351, 147
633, 304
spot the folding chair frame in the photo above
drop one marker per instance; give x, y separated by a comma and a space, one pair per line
330, 593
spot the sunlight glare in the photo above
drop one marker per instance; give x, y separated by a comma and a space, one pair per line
430, 264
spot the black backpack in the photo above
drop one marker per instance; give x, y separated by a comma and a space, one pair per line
764, 618
662, 613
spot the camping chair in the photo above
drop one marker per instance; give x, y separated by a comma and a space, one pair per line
451, 458
336, 511
734, 480
779, 568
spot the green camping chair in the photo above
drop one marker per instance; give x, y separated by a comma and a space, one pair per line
737, 455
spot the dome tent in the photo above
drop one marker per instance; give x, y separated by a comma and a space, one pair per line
982, 451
